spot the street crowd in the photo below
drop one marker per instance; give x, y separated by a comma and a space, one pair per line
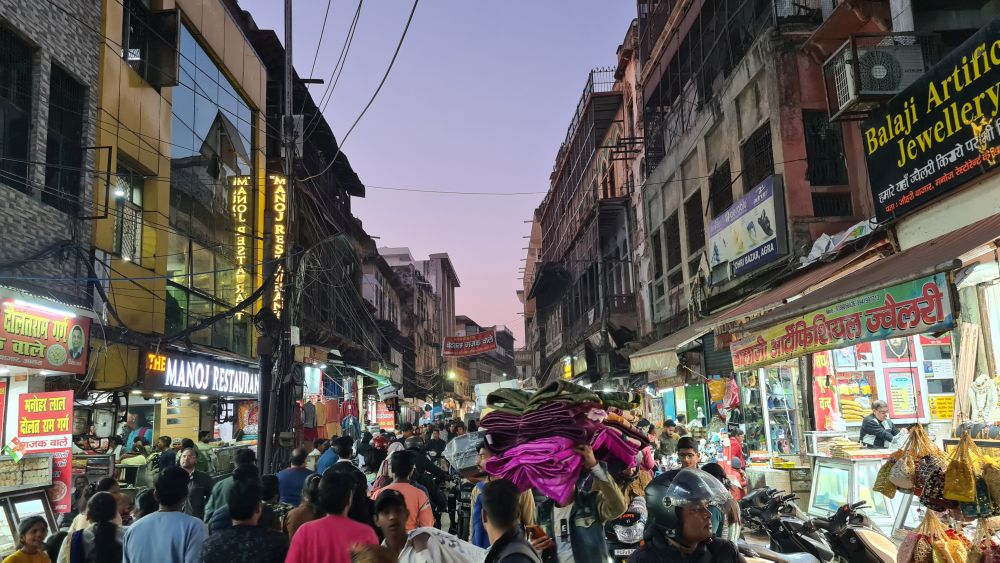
391, 496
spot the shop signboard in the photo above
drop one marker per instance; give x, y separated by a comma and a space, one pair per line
173, 372
472, 345
44, 425
942, 407
824, 393
939, 133
749, 234
918, 306
41, 337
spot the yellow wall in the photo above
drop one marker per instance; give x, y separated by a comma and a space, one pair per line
134, 119
184, 424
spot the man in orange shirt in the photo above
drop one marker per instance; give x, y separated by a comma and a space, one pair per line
402, 464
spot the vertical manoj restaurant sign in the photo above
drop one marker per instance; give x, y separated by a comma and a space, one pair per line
279, 207
240, 208
914, 307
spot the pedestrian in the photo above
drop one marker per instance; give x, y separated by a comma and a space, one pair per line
221, 519
402, 464
680, 523
361, 510
245, 458
167, 457
78, 501
207, 460
105, 485
308, 510
292, 478
319, 445
575, 531
327, 459
245, 541
101, 542
390, 517
275, 511
477, 530
436, 443
687, 452
145, 504
876, 429
501, 516
681, 428
199, 484
168, 535
333, 538
31, 534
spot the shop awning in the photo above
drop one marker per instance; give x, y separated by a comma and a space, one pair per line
662, 354
379, 379
934, 256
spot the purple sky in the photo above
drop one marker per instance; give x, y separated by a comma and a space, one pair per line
478, 100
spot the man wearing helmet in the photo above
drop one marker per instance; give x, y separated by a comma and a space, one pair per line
680, 524
428, 474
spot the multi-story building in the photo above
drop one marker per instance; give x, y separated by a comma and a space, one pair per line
384, 291
419, 326
583, 287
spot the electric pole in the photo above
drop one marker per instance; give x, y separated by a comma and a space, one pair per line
286, 356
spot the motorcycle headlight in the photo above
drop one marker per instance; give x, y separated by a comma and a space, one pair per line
630, 534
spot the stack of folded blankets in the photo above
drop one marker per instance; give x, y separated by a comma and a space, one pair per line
532, 435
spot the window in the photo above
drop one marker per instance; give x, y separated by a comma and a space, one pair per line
672, 233
832, 204
64, 146
128, 223
149, 42
824, 150
15, 109
758, 160
695, 223
657, 251
720, 189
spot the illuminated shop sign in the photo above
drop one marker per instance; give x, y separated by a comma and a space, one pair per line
240, 208
189, 374
279, 203
36, 336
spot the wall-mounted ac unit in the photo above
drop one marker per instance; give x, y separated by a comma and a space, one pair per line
866, 71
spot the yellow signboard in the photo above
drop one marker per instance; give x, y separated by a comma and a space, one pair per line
240, 209
279, 206
942, 407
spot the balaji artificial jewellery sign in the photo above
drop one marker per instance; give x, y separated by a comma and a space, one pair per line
940, 132
750, 233
914, 307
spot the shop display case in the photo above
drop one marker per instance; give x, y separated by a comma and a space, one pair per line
94, 467
782, 411
751, 405
837, 482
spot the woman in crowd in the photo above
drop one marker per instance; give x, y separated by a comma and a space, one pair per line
105, 485
31, 534
308, 510
101, 542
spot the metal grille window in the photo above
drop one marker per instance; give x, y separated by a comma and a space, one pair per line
832, 204
128, 224
15, 109
758, 160
672, 233
824, 150
695, 223
720, 186
64, 146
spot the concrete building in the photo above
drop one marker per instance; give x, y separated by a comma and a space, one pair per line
491, 367
419, 316
48, 99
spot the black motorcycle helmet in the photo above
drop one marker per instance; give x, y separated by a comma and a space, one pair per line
669, 492
414, 443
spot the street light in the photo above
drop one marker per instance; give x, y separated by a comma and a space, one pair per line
451, 375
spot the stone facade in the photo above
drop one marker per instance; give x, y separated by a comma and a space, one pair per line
66, 34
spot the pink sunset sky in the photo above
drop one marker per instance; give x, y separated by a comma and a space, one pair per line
478, 101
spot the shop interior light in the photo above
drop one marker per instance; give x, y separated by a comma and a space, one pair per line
4, 371
451, 375
43, 372
157, 395
119, 192
37, 307
137, 392
203, 397
185, 397
126, 258
321, 366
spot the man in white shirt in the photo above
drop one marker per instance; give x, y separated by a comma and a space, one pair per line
169, 535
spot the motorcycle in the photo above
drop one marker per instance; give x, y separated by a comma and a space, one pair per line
624, 534
847, 536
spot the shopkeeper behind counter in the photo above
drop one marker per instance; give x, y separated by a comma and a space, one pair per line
876, 429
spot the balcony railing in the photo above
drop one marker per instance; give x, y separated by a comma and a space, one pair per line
621, 304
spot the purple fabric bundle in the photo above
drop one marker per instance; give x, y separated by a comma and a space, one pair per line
610, 444
548, 465
557, 419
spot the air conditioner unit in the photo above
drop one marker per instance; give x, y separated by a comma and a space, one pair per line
863, 77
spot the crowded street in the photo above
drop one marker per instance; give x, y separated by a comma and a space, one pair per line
438, 281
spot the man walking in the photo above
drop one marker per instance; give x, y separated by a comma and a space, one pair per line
168, 535
199, 484
501, 511
292, 479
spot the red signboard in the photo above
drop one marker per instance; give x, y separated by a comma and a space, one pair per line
44, 425
824, 392
41, 337
386, 418
472, 345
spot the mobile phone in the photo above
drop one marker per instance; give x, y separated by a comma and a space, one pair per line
535, 532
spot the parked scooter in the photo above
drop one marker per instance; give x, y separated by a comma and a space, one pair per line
847, 536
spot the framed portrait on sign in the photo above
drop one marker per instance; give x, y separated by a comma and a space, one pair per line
844, 359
